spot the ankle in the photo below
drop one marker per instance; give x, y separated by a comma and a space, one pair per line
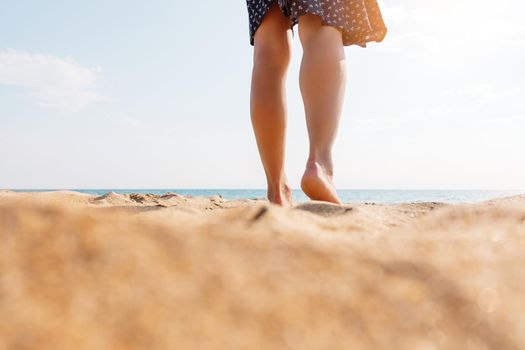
280, 193
276, 182
278, 188
325, 163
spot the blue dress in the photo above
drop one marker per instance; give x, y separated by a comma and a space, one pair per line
359, 20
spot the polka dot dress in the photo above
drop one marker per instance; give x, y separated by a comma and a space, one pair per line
360, 20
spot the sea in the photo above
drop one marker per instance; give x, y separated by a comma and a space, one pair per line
347, 196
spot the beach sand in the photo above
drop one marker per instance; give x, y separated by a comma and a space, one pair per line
180, 272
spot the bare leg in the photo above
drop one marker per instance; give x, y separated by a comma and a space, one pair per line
322, 81
272, 51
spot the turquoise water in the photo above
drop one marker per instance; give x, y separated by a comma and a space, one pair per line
347, 196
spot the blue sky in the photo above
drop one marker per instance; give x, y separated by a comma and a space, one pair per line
114, 94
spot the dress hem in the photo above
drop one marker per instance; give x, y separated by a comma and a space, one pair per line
374, 37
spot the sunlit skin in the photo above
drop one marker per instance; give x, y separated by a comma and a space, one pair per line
322, 82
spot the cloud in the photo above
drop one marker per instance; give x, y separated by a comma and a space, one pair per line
394, 14
484, 93
126, 122
51, 81
432, 30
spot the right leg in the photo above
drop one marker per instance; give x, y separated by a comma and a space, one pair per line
322, 82
272, 51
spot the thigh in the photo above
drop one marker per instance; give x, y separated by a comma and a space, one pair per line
274, 26
311, 29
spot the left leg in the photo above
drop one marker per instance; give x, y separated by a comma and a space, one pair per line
322, 81
271, 58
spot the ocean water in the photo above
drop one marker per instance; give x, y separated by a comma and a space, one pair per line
347, 196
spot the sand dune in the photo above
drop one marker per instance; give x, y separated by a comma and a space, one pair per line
180, 272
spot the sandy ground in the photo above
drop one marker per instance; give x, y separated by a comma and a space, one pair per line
180, 272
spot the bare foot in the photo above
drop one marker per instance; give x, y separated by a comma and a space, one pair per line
318, 184
282, 196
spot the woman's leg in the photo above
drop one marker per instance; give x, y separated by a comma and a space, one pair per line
272, 51
322, 81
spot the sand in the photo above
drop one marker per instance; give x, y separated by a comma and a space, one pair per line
180, 272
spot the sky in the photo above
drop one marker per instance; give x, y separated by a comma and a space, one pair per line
135, 94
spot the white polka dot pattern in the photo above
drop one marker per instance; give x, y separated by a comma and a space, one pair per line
360, 20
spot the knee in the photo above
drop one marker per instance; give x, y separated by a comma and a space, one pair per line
274, 53
315, 36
